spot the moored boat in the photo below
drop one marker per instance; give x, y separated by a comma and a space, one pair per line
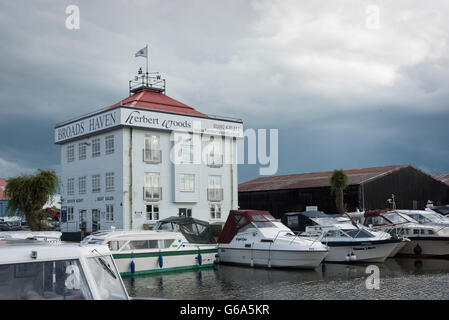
150, 251
255, 238
427, 240
347, 240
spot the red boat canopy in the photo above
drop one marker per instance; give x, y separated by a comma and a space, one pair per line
375, 213
238, 219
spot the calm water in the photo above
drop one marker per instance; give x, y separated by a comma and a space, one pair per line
399, 279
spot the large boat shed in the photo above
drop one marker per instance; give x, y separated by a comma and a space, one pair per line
368, 188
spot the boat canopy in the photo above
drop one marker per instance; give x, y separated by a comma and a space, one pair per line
298, 221
194, 230
238, 219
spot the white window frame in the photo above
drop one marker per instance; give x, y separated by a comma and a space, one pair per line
109, 144
82, 151
214, 209
187, 182
70, 153
152, 148
186, 152
109, 181
70, 215
70, 186
96, 185
109, 216
150, 214
96, 148
82, 185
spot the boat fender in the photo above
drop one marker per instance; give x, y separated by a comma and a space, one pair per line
160, 260
417, 249
252, 263
133, 267
353, 257
348, 257
200, 259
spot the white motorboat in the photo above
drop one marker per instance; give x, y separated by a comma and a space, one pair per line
139, 252
255, 238
347, 240
427, 217
426, 239
48, 270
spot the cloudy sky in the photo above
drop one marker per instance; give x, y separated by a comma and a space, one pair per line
349, 84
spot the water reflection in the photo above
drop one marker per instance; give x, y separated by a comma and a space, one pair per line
400, 279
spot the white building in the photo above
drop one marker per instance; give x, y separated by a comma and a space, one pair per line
145, 158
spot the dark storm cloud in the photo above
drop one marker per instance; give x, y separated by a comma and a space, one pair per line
342, 95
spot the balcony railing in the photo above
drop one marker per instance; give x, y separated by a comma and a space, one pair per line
215, 194
152, 155
152, 194
215, 161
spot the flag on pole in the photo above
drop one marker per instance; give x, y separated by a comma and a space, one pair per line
142, 52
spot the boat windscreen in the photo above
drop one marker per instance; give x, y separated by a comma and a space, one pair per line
358, 233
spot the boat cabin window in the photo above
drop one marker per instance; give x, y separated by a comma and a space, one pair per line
264, 224
264, 217
376, 220
419, 217
143, 244
395, 218
107, 278
293, 221
359, 233
52, 280
240, 220
169, 226
334, 234
116, 245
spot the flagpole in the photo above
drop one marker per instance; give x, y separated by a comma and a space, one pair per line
147, 65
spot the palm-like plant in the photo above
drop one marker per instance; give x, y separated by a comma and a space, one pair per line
339, 182
29, 194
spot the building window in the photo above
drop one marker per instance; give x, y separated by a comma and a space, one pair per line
82, 185
109, 181
215, 153
95, 147
70, 216
186, 153
215, 211
82, 151
70, 186
109, 144
70, 153
187, 182
185, 212
214, 189
109, 212
96, 183
152, 151
152, 190
152, 212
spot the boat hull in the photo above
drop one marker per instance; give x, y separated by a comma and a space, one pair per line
429, 248
166, 261
364, 252
272, 258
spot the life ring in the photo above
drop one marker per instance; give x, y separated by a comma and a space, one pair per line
417, 249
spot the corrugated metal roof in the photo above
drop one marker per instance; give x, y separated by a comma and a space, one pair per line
156, 101
442, 177
3, 184
314, 179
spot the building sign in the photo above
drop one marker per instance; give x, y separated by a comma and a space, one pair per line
130, 117
87, 126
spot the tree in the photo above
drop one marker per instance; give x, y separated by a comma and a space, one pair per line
339, 182
29, 194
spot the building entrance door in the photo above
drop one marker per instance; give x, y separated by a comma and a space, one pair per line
95, 220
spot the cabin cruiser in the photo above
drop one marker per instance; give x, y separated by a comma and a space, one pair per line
426, 240
426, 217
347, 240
47, 270
31, 235
148, 251
255, 238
